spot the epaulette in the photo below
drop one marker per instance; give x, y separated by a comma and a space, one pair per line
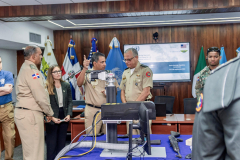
33, 67
203, 70
126, 69
225, 64
142, 65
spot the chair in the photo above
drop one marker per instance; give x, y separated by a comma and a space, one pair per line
169, 100
189, 105
78, 102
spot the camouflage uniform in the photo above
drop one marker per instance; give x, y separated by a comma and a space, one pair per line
201, 80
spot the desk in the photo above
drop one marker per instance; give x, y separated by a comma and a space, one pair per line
185, 123
95, 154
162, 125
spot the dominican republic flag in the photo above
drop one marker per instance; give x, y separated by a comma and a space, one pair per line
35, 76
71, 70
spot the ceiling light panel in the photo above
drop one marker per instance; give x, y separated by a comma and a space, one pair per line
54, 1
21, 2
84, 1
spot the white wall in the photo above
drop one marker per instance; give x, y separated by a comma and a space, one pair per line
9, 62
19, 32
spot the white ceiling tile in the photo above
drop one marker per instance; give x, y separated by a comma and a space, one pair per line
3, 4
21, 2
54, 1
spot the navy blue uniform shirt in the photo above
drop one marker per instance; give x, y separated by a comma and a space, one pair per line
6, 78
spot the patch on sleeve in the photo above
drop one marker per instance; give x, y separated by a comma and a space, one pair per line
200, 103
148, 74
35, 76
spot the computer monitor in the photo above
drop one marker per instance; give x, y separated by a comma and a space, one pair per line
144, 128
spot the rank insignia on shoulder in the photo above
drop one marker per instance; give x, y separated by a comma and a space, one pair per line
142, 65
200, 103
33, 67
148, 74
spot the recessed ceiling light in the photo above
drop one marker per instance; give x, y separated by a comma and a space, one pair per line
23, 48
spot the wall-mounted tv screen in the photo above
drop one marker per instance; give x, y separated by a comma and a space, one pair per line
170, 62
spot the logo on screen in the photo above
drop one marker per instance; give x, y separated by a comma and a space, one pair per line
184, 51
136, 47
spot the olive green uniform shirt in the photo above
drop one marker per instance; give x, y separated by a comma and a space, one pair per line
133, 84
204, 73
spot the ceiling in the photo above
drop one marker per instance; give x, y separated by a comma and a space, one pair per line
42, 2
142, 21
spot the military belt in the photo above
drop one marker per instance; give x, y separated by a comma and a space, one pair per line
93, 106
22, 108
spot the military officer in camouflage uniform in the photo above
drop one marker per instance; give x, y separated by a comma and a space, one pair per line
199, 148
136, 81
213, 57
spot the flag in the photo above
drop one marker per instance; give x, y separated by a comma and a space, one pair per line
48, 58
115, 63
93, 50
223, 59
200, 65
71, 70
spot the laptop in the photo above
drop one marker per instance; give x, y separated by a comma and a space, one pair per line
160, 109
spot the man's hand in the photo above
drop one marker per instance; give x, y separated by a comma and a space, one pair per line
104, 92
8, 88
48, 119
86, 62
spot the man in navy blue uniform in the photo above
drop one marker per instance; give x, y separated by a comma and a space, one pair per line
6, 112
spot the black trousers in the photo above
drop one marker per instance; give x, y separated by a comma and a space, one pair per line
56, 136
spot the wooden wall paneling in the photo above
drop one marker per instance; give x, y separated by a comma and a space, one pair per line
208, 36
112, 6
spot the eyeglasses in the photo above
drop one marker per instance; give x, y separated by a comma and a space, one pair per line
211, 49
129, 60
56, 72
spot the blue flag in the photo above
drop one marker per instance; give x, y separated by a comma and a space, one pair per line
223, 59
92, 51
115, 63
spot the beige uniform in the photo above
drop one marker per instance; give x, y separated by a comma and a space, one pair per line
133, 85
95, 97
32, 102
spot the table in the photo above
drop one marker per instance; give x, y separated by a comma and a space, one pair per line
185, 123
162, 125
95, 154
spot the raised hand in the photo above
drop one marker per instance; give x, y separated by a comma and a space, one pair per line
86, 62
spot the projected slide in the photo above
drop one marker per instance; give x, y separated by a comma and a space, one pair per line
168, 61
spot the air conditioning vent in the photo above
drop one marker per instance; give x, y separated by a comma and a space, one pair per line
36, 38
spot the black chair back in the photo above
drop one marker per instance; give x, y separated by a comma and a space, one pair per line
78, 102
190, 105
169, 100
